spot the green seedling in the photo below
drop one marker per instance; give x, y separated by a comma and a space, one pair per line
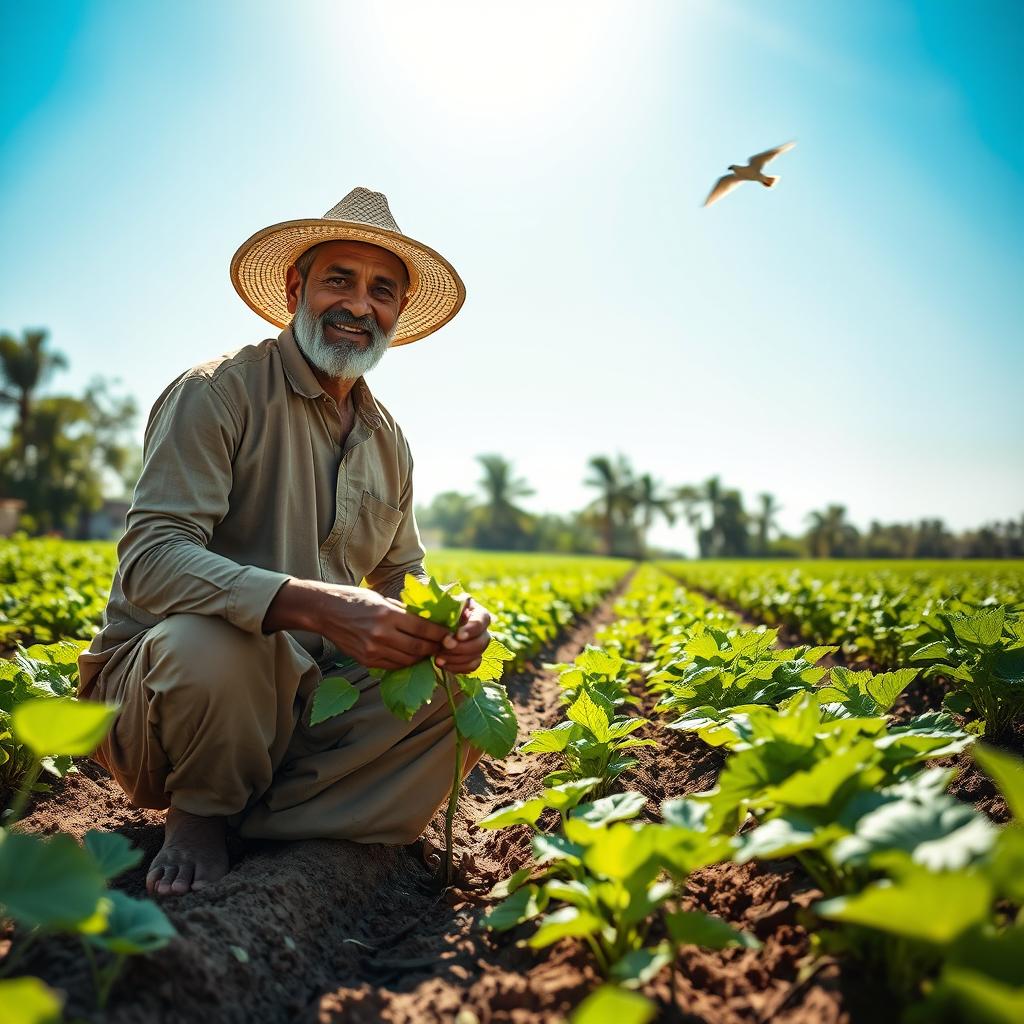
592, 743
982, 653
52, 884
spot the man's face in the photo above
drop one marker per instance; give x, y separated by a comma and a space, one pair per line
346, 312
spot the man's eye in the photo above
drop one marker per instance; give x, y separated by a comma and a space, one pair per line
382, 290
336, 280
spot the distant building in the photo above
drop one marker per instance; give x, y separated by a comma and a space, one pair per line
10, 511
108, 521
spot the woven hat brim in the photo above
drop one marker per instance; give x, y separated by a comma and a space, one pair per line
436, 291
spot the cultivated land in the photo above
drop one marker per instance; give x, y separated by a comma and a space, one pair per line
740, 792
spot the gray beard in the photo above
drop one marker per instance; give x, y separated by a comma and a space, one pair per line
342, 359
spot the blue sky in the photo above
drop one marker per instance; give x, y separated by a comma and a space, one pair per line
852, 335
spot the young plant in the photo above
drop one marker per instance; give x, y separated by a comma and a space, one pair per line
615, 878
714, 670
40, 671
53, 884
945, 915
591, 743
482, 713
983, 651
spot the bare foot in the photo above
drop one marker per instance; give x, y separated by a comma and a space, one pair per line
194, 854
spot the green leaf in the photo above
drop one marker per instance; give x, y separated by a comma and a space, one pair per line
983, 1000
486, 718
641, 965
609, 1003
430, 600
617, 807
405, 690
519, 907
334, 695
933, 907
568, 794
48, 883
112, 852
1009, 666
586, 713
62, 725
521, 812
563, 923
492, 663
29, 1001
936, 650
1008, 773
693, 927
982, 627
134, 926
621, 850
885, 687
550, 741
507, 886
942, 834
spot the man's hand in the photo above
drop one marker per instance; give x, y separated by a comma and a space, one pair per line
462, 652
377, 631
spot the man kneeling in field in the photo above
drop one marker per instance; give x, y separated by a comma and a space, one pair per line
272, 484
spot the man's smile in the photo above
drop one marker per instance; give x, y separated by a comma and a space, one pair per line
344, 331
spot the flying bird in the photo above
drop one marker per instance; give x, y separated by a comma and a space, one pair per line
752, 170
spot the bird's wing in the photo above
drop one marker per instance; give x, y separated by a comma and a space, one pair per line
758, 160
726, 183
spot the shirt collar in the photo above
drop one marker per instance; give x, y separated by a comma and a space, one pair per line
302, 380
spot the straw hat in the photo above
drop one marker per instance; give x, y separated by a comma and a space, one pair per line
436, 291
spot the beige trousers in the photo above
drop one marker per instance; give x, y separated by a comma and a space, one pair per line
215, 721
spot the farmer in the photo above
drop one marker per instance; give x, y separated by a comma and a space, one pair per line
273, 482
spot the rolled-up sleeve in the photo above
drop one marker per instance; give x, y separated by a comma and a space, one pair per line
181, 496
406, 552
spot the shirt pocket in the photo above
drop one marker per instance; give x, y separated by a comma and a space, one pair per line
372, 535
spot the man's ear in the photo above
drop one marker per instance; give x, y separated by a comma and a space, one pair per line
293, 288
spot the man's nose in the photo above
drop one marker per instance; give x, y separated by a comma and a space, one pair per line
357, 302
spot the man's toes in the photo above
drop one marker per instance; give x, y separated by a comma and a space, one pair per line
163, 886
153, 876
183, 882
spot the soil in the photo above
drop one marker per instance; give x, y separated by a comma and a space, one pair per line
318, 932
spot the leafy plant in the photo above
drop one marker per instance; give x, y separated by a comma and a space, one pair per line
52, 884
592, 743
610, 879
481, 710
983, 652
50, 671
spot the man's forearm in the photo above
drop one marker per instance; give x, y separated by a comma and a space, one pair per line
296, 605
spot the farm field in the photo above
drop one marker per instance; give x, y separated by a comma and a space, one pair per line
703, 817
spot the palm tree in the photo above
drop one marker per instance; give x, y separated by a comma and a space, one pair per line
765, 520
24, 365
706, 497
651, 502
502, 526
616, 502
830, 535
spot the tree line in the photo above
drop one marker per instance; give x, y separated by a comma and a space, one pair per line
627, 504
65, 452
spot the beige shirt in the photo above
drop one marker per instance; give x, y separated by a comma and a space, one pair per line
245, 484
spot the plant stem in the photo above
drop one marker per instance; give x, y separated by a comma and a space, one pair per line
453, 796
110, 975
21, 798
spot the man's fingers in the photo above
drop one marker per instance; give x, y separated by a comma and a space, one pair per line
424, 629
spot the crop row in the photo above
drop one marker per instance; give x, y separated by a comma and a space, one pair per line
923, 890
875, 612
